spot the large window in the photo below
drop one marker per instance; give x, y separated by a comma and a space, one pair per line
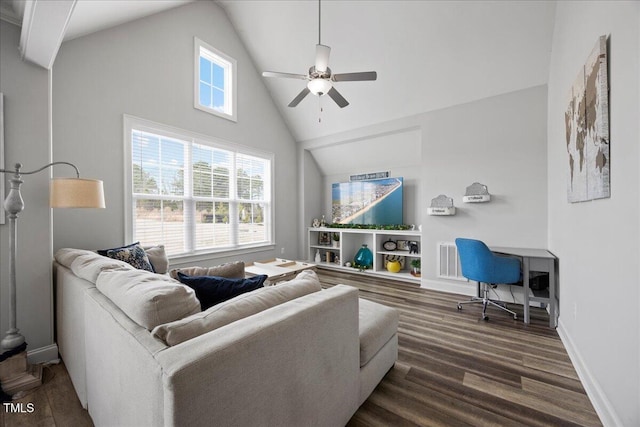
215, 81
194, 194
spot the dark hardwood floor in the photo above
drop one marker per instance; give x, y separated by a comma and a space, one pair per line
453, 369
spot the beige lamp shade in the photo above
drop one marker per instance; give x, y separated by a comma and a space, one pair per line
76, 193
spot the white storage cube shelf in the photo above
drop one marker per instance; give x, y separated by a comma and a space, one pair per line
352, 239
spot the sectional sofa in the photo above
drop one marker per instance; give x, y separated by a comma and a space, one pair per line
140, 352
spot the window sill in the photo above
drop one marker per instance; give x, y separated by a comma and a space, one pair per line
231, 117
188, 260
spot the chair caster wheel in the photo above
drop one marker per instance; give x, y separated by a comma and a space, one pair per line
459, 307
515, 317
485, 318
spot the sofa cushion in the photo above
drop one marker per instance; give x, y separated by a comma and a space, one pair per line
231, 270
148, 299
158, 258
378, 324
88, 264
133, 254
237, 308
212, 290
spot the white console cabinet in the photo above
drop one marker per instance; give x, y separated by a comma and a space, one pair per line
335, 256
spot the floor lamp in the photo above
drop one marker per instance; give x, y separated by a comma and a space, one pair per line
64, 193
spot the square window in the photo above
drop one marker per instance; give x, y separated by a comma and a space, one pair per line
214, 81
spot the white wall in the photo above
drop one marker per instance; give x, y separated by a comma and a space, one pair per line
145, 68
498, 141
501, 143
598, 242
27, 140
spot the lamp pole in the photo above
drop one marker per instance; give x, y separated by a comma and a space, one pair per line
14, 204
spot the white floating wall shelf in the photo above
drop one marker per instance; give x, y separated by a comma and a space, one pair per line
477, 193
441, 205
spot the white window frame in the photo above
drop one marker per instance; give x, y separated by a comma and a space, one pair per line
134, 123
202, 48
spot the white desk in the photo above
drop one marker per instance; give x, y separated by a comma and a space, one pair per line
536, 260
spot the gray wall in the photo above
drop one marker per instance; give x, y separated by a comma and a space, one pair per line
598, 242
498, 141
145, 68
27, 140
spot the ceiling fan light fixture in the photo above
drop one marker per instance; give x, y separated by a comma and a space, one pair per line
319, 86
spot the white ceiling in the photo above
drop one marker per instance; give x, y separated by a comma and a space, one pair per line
90, 16
428, 54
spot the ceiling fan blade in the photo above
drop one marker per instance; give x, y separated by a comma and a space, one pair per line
339, 99
355, 77
322, 57
284, 75
300, 97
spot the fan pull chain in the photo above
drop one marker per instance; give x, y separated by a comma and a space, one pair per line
320, 109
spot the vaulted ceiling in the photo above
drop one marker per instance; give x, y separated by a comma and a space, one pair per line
428, 54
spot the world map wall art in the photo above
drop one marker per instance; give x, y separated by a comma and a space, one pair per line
587, 129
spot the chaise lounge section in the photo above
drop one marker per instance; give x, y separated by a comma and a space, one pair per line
310, 360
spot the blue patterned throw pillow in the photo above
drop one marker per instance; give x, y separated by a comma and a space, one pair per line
132, 254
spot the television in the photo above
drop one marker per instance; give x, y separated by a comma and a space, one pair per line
374, 201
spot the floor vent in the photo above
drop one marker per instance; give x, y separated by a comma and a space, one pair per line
448, 262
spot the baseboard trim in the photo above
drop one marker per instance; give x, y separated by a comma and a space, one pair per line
599, 400
43, 354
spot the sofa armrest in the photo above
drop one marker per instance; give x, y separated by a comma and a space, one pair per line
294, 364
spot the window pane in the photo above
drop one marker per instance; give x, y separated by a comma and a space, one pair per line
202, 186
205, 70
218, 76
205, 95
160, 221
212, 225
172, 167
221, 171
145, 155
218, 99
251, 227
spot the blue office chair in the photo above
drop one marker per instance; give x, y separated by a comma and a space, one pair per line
488, 269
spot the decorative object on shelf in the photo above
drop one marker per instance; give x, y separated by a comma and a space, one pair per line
323, 222
324, 238
413, 247
441, 205
390, 245
587, 129
336, 240
372, 175
401, 227
403, 245
364, 258
315, 223
415, 267
393, 266
317, 258
336, 259
391, 258
328, 257
64, 193
347, 264
476, 193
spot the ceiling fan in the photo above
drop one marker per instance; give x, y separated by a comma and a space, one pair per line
319, 78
